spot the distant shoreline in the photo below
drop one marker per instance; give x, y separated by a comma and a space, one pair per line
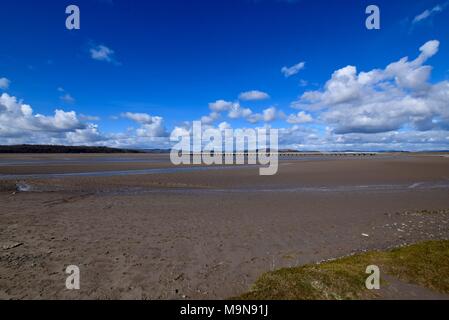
62, 149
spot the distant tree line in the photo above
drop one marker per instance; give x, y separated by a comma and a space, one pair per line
26, 148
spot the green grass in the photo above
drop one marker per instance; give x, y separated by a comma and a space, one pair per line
425, 264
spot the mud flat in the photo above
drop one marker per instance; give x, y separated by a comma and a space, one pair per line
204, 234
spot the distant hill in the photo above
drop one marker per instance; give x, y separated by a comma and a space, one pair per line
155, 150
26, 148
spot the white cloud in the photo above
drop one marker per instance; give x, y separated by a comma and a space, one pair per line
151, 126
152, 130
303, 83
291, 71
102, 53
142, 118
395, 107
237, 111
88, 135
180, 132
209, 119
220, 105
19, 123
428, 50
223, 126
253, 95
67, 98
307, 139
382, 100
429, 13
84, 117
254, 118
4, 83
269, 114
300, 117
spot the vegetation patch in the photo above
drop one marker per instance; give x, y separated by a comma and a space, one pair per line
8, 186
425, 264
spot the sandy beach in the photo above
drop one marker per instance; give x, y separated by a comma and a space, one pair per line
209, 233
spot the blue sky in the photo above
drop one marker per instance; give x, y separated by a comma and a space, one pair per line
136, 70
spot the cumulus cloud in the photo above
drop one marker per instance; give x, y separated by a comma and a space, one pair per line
235, 111
238, 111
154, 129
4, 83
220, 105
151, 126
253, 95
209, 119
291, 71
17, 117
224, 125
393, 107
311, 139
180, 131
19, 124
142, 118
269, 114
383, 100
300, 117
89, 135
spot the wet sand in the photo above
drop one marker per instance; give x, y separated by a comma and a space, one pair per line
211, 233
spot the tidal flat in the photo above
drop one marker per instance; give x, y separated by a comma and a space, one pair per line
157, 232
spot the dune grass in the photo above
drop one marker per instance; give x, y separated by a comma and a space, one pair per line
425, 264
